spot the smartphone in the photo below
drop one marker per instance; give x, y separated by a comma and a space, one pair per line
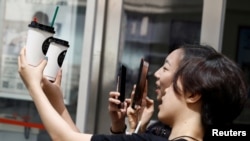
141, 82
122, 82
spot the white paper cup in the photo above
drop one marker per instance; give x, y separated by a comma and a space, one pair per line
56, 54
35, 48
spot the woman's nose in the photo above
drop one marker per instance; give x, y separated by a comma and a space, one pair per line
156, 74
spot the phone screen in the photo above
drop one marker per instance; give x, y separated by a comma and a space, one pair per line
140, 85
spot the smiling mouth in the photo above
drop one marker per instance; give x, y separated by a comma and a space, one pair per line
157, 87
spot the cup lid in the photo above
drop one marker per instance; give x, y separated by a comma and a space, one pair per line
61, 42
35, 24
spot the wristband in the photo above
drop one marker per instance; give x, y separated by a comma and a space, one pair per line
122, 132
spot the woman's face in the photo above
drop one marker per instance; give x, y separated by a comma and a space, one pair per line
172, 105
164, 75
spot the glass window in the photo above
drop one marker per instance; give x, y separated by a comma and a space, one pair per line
19, 119
149, 30
236, 43
152, 29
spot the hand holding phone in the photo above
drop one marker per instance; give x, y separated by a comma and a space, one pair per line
140, 85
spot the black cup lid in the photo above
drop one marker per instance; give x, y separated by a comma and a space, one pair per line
60, 41
35, 24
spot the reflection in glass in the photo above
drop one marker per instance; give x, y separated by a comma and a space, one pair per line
152, 29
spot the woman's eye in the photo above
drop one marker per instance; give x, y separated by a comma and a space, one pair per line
165, 69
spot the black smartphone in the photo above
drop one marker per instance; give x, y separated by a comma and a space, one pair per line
141, 82
122, 82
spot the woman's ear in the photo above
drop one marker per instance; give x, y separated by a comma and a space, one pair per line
192, 98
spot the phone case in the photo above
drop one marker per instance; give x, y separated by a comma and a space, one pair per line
122, 82
141, 81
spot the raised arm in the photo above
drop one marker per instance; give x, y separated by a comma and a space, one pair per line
55, 96
56, 126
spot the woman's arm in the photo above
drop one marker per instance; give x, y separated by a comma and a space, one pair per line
55, 96
56, 126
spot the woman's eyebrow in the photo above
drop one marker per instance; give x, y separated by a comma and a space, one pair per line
167, 62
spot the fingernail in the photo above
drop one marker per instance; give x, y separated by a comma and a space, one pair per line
46, 58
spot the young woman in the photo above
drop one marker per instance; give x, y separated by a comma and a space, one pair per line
164, 76
203, 92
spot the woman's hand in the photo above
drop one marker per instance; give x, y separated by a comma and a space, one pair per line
133, 119
31, 76
142, 113
54, 93
147, 109
117, 113
133, 114
147, 113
